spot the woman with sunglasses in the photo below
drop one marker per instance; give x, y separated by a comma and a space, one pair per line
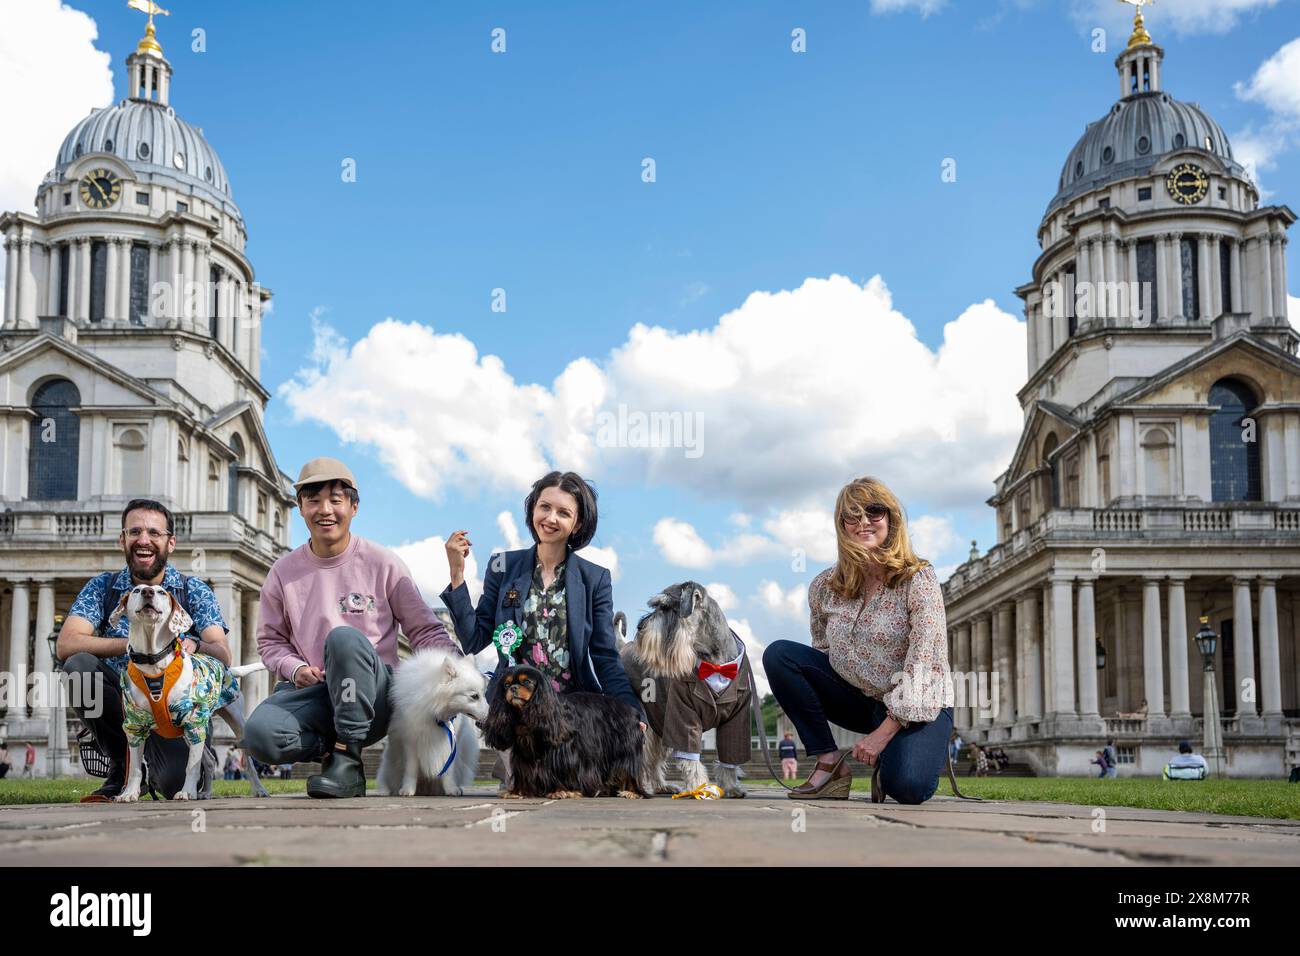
878, 663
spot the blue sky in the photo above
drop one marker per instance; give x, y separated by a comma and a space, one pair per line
522, 171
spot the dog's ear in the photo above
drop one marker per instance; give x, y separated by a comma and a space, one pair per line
546, 715
180, 622
118, 611
499, 727
449, 667
686, 602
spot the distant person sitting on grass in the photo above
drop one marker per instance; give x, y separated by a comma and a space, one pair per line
1187, 765
4, 760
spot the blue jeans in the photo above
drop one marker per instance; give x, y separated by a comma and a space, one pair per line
813, 696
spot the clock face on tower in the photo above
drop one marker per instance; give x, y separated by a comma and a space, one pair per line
1187, 183
100, 188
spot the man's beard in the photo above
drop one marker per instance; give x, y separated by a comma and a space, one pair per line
149, 572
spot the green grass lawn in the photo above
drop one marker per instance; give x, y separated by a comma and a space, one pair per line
1253, 798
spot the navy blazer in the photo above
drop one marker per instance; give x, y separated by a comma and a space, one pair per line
589, 602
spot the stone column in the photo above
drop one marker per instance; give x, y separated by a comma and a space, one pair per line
124, 281
1030, 706
1112, 274
202, 276
1263, 255
1062, 646
1176, 304
1179, 704
11, 287
44, 665
1086, 641
1005, 662
1162, 277
110, 279
1243, 646
189, 307
19, 638
961, 715
1086, 308
256, 687
1216, 277
26, 282
52, 277
1204, 295
1278, 244
83, 278
1234, 276
983, 653
1270, 671
1153, 684
1134, 294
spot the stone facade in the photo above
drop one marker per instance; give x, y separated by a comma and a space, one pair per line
1157, 479
129, 368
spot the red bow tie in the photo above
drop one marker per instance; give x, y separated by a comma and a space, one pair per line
728, 671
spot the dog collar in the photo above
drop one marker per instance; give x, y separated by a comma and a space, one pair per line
451, 738
173, 648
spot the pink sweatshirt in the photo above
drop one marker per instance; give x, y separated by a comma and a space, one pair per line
366, 587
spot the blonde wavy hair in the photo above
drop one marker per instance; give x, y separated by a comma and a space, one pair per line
894, 561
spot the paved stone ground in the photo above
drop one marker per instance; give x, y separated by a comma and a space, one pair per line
483, 829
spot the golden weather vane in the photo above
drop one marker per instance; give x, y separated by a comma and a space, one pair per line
1140, 36
150, 41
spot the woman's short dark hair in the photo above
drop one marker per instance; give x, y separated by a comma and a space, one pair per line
568, 481
148, 504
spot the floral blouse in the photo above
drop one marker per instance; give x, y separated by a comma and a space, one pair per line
546, 629
897, 652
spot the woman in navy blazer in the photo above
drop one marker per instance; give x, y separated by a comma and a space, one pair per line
561, 515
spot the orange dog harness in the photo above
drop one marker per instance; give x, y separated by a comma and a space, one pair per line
157, 690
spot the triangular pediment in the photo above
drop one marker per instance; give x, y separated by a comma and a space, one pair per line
1045, 418
1272, 373
241, 418
98, 382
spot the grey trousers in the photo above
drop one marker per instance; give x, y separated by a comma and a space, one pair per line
302, 724
164, 757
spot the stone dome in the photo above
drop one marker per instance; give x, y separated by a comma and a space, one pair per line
156, 143
1137, 132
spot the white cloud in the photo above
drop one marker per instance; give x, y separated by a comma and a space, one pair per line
681, 544
924, 7
723, 595
789, 416
510, 531
1181, 18
605, 557
792, 603
53, 76
1276, 87
754, 648
811, 530
427, 560
933, 535
1293, 310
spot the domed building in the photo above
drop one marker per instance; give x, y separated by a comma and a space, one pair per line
129, 368
1157, 479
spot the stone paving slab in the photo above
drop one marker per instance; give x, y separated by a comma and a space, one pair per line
765, 828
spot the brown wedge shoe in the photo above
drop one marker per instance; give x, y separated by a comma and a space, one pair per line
834, 787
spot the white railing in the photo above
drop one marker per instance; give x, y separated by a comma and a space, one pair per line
1207, 520
1121, 521
79, 525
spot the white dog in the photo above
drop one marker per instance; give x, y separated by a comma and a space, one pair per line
170, 692
437, 696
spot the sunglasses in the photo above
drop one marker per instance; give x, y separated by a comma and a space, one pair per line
873, 513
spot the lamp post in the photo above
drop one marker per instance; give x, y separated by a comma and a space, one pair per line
1206, 641
56, 743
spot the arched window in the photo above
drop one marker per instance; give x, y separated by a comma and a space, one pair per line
232, 487
1234, 445
1157, 462
1072, 482
54, 442
132, 463
1053, 484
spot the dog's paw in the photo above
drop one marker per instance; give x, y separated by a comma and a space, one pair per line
510, 795
406, 791
564, 795
628, 795
186, 795
125, 797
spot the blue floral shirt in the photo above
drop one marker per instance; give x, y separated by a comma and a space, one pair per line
200, 603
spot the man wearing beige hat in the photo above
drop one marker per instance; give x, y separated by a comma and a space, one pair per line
327, 629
